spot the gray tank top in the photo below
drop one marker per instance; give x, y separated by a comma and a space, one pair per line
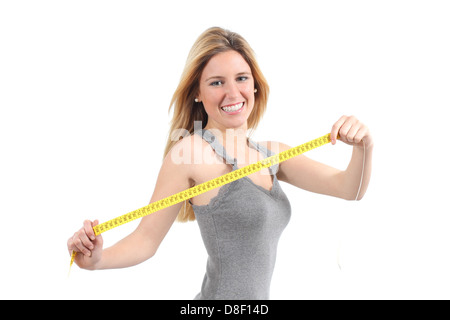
240, 228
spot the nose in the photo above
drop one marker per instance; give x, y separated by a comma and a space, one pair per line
232, 90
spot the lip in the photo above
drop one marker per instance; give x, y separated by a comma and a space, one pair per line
234, 112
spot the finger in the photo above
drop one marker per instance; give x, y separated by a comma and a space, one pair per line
85, 239
79, 246
70, 245
344, 129
88, 228
72, 242
335, 129
353, 131
362, 132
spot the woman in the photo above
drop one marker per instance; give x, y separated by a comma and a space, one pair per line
241, 222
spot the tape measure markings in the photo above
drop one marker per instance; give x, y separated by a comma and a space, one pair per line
208, 185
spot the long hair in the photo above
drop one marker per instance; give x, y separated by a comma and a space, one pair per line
185, 110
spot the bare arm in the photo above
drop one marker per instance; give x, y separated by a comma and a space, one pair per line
316, 177
142, 243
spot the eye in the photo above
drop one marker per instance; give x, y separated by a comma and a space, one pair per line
242, 78
216, 83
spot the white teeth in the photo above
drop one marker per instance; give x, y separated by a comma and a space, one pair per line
233, 108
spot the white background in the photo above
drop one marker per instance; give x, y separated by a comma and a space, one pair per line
85, 88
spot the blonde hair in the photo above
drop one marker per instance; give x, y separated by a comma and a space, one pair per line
185, 110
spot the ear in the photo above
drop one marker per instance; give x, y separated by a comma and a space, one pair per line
198, 98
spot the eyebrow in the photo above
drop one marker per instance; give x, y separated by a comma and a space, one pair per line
221, 77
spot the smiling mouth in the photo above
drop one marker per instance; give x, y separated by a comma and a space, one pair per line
233, 108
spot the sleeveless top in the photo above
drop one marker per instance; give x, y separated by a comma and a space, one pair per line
240, 228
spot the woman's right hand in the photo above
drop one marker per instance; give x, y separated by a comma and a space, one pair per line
87, 245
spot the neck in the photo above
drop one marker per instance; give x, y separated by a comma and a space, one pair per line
230, 138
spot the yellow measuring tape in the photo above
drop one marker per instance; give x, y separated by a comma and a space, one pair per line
208, 185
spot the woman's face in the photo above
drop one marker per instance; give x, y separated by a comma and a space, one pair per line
227, 91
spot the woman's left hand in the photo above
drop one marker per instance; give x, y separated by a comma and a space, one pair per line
351, 131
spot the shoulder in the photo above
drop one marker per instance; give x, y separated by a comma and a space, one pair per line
188, 150
188, 155
178, 158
